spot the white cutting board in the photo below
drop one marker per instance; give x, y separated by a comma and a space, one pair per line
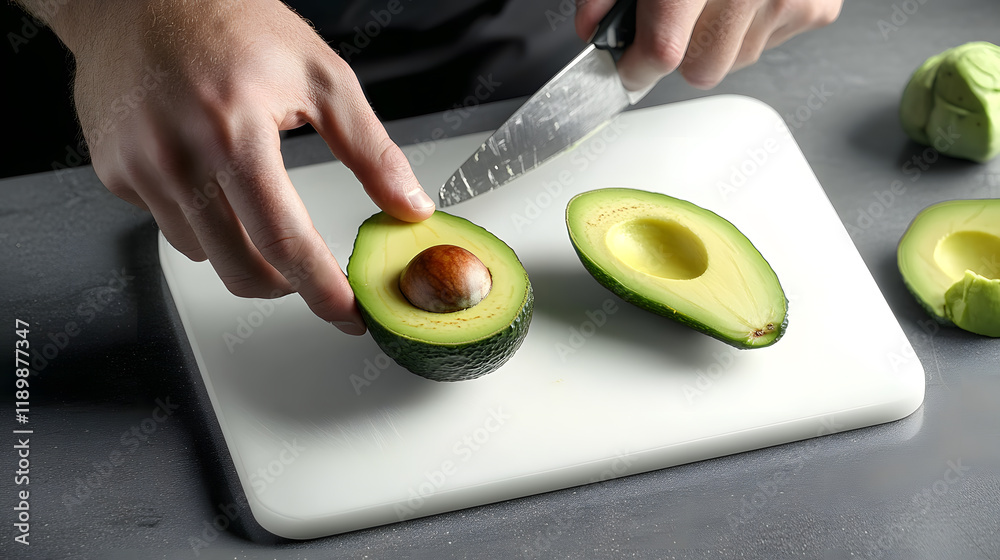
329, 436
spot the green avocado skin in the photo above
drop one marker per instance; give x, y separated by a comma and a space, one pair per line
952, 102
633, 297
939, 315
453, 362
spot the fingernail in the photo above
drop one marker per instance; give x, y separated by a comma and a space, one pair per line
634, 83
349, 327
419, 199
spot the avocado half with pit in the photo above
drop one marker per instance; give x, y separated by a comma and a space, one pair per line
452, 337
679, 260
949, 258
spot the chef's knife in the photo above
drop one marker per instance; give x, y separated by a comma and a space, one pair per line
581, 98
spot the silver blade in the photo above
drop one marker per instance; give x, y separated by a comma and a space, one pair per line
582, 97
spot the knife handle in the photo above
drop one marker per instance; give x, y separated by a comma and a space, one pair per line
617, 29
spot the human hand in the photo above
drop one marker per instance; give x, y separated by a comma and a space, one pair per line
705, 39
181, 104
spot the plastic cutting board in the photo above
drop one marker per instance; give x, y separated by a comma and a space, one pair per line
328, 435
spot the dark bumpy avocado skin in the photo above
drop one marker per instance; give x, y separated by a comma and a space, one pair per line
454, 362
442, 361
630, 296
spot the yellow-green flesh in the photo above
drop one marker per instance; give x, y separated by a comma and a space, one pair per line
944, 242
389, 244
677, 259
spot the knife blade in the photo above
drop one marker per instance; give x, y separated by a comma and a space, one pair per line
575, 103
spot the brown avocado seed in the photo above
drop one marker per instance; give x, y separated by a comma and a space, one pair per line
445, 278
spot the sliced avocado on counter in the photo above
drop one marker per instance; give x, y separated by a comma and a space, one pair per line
445, 340
678, 260
950, 260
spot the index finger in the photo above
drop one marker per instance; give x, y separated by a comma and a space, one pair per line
279, 227
354, 134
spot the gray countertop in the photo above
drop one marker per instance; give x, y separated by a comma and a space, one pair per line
126, 460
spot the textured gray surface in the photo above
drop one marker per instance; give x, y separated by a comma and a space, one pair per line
881, 492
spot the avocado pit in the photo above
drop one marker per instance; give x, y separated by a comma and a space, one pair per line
445, 279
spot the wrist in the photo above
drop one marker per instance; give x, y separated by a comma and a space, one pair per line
81, 23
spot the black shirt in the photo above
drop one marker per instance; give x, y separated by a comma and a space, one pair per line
416, 57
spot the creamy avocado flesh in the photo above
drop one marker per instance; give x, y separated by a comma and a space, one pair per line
679, 260
950, 260
442, 346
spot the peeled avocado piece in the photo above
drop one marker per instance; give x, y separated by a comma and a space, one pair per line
973, 304
451, 346
678, 260
952, 102
950, 260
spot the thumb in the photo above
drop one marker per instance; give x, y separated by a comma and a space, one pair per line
355, 135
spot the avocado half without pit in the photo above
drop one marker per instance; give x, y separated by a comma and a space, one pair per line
678, 260
949, 258
444, 298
